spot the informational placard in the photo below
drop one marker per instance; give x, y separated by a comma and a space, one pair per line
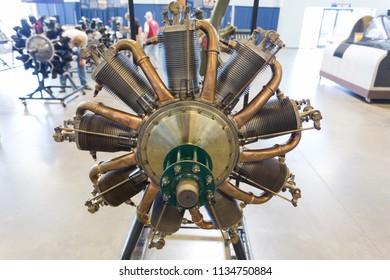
94, 4
208, 3
200, 3
341, 5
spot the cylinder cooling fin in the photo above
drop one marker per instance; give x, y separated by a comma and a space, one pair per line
187, 149
276, 116
269, 175
125, 188
165, 218
122, 79
224, 212
230, 84
182, 78
104, 135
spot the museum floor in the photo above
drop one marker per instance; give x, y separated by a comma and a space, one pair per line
342, 170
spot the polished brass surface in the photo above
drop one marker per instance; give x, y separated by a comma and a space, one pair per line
198, 220
143, 61
212, 52
114, 164
248, 198
143, 208
278, 150
115, 115
188, 122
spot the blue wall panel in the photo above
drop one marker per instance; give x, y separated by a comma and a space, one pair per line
66, 11
267, 17
71, 12
227, 19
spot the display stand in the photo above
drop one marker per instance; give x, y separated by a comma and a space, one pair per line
139, 236
43, 90
5, 48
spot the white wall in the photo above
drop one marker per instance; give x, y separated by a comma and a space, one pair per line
292, 13
12, 12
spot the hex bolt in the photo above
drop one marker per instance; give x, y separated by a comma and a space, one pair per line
209, 180
165, 181
195, 168
166, 197
177, 169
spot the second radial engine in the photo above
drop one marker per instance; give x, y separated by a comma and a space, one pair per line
185, 145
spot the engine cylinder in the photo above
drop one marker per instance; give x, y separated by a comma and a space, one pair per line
99, 124
181, 61
167, 221
226, 211
235, 75
122, 193
121, 78
269, 173
276, 116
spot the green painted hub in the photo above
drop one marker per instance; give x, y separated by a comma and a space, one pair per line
187, 179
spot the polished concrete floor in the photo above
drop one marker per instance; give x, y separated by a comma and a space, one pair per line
342, 170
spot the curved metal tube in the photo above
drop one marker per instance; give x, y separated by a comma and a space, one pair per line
212, 52
248, 198
197, 218
277, 150
105, 166
143, 61
151, 41
261, 98
146, 202
129, 120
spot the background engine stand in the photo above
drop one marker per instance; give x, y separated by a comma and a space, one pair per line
46, 92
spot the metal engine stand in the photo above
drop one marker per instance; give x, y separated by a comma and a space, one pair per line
139, 236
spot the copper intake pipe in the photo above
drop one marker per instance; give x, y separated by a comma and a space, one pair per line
146, 202
277, 150
114, 164
248, 198
262, 97
212, 52
197, 218
126, 119
143, 61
